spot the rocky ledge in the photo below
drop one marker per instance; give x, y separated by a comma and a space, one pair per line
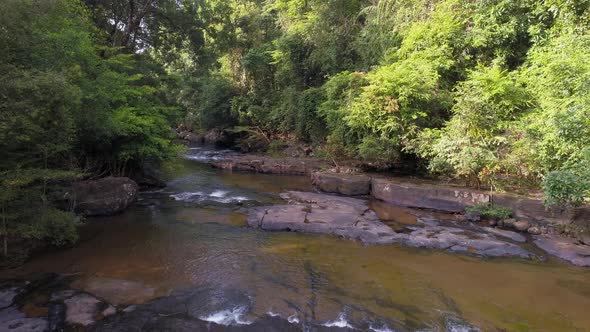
268, 165
568, 249
353, 219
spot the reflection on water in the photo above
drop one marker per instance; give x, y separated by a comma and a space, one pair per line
166, 243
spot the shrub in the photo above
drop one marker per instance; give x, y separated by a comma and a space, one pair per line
569, 187
490, 211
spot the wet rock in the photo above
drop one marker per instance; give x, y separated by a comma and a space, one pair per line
340, 183
535, 230
202, 309
12, 320
508, 223
62, 295
8, 295
351, 218
521, 226
82, 309
320, 213
462, 241
424, 195
565, 248
110, 310
56, 316
507, 234
104, 196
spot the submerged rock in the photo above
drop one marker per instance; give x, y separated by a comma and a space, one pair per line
351, 218
565, 248
104, 196
117, 291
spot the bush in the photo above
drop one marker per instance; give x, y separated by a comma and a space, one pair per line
490, 211
569, 187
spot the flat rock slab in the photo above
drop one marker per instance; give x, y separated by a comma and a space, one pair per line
507, 234
352, 218
565, 248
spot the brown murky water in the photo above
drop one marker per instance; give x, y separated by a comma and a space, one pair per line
193, 233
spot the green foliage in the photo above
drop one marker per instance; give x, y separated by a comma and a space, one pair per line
490, 211
569, 187
310, 126
208, 101
474, 143
558, 76
70, 105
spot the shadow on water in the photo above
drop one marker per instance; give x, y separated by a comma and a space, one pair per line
191, 238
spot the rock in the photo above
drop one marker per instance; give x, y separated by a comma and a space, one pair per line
12, 320
194, 138
82, 309
320, 213
145, 181
508, 223
461, 241
521, 226
472, 216
110, 310
533, 209
104, 196
428, 196
565, 248
265, 165
507, 234
534, 230
345, 184
8, 295
56, 316
351, 218
219, 138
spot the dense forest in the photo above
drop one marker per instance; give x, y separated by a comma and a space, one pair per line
491, 92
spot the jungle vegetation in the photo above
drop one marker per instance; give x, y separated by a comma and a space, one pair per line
491, 92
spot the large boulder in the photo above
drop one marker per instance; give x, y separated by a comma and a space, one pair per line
104, 196
340, 183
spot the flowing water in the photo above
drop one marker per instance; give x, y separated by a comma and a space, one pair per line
193, 233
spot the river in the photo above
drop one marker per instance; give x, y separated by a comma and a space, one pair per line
193, 233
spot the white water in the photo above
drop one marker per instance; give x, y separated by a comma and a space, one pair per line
228, 317
340, 322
